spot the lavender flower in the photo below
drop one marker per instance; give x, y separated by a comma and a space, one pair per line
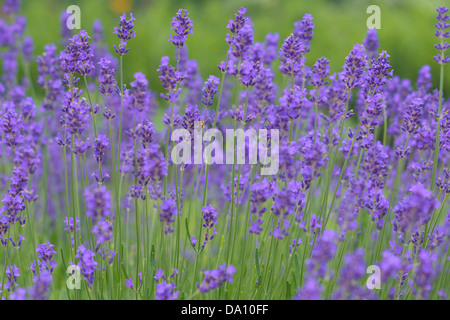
138, 98
100, 143
321, 71
146, 132
102, 231
209, 216
354, 67
69, 225
11, 6
86, 263
256, 227
414, 210
166, 291
182, 26
98, 202
442, 33
77, 57
168, 212
215, 278
45, 258
12, 273
209, 90
41, 288
411, 118
290, 55
108, 84
371, 43
169, 78
124, 32
303, 29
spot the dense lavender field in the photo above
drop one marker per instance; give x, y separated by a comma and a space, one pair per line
96, 203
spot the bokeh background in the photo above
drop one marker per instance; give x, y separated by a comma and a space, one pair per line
407, 29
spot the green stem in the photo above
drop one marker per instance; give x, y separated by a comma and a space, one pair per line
438, 130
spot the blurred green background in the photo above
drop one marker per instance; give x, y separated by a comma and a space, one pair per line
407, 29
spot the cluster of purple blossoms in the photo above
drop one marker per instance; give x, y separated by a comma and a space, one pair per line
348, 285
411, 118
286, 203
170, 79
124, 32
100, 144
103, 231
191, 119
75, 112
12, 273
215, 278
45, 258
371, 43
378, 74
369, 209
138, 98
317, 266
209, 221
442, 33
241, 37
166, 291
320, 72
370, 116
168, 212
235, 25
41, 287
108, 84
39, 291
98, 203
414, 210
182, 26
70, 227
209, 216
151, 168
13, 205
98, 208
304, 29
86, 263
78, 55
248, 72
426, 273
10, 125
146, 133
444, 183
290, 55
50, 77
11, 6
296, 46
354, 66
209, 90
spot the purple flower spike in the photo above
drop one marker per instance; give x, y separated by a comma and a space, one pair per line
354, 66
209, 90
182, 26
168, 213
100, 144
170, 78
124, 32
87, 264
209, 216
215, 278
108, 84
166, 291
78, 56
98, 202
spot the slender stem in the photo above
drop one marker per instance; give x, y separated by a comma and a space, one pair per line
438, 130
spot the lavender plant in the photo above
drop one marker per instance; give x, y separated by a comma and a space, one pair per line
363, 178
